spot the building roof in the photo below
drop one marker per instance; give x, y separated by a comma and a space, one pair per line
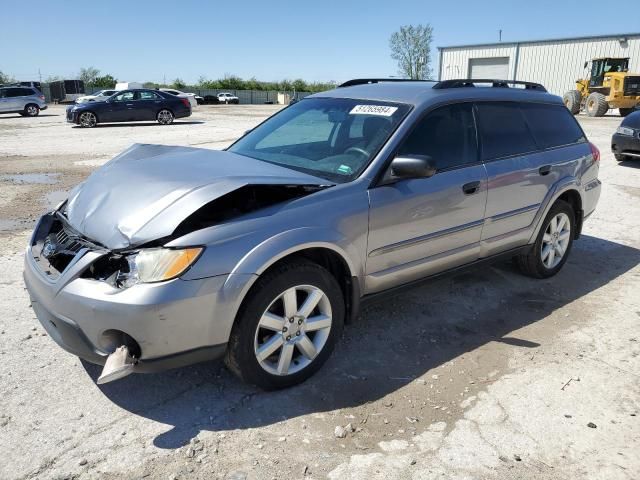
544, 40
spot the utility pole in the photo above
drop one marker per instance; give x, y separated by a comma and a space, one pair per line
39, 75
500, 35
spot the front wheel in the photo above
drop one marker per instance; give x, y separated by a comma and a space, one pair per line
88, 119
554, 242
165, 117
572, 100
287, 326
620, 157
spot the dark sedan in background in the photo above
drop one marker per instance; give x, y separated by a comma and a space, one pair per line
625, 143
131, 106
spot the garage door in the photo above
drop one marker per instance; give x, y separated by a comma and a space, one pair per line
490, 68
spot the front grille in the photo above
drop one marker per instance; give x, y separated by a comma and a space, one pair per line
631, 86
56, 244
69, 114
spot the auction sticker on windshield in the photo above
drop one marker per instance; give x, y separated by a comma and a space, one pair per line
383, 110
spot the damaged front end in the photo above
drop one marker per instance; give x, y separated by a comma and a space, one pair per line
116, 230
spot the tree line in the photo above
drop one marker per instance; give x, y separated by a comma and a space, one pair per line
92, 78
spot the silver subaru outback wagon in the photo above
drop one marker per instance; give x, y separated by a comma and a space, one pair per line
168, 256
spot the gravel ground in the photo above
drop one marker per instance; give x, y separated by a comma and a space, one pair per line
483, 375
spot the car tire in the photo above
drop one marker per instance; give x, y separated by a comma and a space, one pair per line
274, 348
620, 157
165, 117
625, 111
596, 105
555, 238
31, 110
572, 100
87, 120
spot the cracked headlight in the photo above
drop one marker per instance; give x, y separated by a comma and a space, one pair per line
156, 265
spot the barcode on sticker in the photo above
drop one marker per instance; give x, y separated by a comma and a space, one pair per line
383, 110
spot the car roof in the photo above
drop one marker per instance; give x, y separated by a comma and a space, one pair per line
422, 93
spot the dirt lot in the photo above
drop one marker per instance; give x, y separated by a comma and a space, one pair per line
487, 374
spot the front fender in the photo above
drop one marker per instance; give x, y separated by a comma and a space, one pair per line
268, 252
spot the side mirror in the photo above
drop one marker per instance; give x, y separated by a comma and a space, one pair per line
411, 166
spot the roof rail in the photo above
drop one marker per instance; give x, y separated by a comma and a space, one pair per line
364, 81
470, 82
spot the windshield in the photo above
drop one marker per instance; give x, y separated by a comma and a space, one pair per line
332, 138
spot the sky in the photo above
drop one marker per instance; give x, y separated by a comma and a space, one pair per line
324, 40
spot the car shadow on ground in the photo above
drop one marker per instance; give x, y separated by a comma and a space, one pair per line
635, 163
387, 347
2, 117
143, 124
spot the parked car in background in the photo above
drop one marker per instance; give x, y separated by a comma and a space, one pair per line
625, 143
130, 106
227, 98
199, 99
190, 96
211, 100
66, 90
128, 85
260, 253
27, 101
100, 96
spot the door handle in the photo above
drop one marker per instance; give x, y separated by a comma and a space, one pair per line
471, 188
544, 170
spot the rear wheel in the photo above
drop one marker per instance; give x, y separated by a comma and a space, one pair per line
620, 157
31, 110
597, 105
165, 117
572, 100
287, 326
88, 119
553, 245
625, 111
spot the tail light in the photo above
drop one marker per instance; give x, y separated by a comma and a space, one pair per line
594, 152
188, 105
41, 97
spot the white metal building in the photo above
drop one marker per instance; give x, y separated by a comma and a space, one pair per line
556, 63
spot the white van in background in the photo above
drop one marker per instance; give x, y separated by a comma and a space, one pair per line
128, 85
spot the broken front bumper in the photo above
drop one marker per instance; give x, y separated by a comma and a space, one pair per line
175, 323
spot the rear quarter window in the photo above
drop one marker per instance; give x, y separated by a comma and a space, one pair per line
503, 130
552, 125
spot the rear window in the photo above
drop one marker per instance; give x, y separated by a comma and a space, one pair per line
552, 125
503, 131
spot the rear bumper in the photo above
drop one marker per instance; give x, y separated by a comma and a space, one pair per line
622, 144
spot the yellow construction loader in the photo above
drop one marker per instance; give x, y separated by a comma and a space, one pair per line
609, 86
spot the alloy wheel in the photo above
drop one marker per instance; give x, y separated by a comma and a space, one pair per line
165, 117
32, 110
88, 119
555, 240
293, 330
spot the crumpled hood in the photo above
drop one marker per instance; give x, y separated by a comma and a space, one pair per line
145, 192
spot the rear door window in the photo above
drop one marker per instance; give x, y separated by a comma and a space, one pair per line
148, 95
13, 92
503, 130
552, 125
